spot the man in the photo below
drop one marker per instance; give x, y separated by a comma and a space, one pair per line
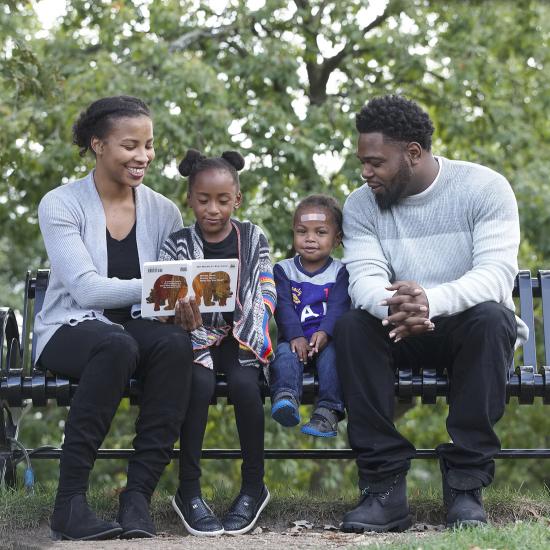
431, 246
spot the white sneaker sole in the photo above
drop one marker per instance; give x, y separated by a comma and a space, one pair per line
190, 529
253, 522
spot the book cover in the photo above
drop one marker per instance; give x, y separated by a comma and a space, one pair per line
213, 283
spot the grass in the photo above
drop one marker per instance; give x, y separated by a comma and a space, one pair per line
532, 535
519, 519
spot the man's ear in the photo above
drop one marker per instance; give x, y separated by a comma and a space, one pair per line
414, 151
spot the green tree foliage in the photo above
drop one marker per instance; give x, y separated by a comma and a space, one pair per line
280, 80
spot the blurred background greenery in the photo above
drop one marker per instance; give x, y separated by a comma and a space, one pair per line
280, 80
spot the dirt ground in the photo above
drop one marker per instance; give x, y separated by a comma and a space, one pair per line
296, 536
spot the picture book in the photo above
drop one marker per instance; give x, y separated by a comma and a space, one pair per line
213, 283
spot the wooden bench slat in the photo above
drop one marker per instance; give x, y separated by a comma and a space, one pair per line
544, 282
528, 316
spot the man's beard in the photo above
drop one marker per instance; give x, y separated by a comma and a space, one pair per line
395, 189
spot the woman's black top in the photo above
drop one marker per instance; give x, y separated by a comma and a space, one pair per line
123, 263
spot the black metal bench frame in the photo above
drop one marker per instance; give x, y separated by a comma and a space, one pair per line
21, 382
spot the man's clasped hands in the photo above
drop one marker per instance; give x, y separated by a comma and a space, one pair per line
408, 310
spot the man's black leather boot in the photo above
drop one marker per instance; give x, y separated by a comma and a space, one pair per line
462, 498
464, 506
382, 507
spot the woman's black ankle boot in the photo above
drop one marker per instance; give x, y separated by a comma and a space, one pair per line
72, 519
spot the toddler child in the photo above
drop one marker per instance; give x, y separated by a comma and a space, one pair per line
312, 290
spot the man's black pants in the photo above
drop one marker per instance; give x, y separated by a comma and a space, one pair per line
476, 347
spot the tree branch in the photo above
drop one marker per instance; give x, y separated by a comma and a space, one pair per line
302, 4
184, 41
318, 74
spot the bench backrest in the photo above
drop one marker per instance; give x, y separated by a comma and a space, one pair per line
526, 288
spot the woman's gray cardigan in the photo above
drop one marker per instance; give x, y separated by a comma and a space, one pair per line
72, 222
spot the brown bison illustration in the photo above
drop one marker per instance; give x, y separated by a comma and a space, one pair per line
167, 288
213, 287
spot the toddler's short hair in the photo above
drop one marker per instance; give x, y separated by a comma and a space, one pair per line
322, 201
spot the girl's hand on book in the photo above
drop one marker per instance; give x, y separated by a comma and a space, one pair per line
187, 314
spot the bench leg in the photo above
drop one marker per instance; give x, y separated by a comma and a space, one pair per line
7, 462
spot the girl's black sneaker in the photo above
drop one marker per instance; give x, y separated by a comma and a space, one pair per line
244, 512
197, 517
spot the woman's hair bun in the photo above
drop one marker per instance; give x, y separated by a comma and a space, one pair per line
234, 158
192, 157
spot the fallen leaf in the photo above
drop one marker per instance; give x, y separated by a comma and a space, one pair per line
303, 523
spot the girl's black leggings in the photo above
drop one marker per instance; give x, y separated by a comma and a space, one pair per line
244, 387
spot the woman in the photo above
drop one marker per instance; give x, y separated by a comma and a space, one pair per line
98, 231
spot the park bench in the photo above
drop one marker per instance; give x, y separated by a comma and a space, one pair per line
21, 383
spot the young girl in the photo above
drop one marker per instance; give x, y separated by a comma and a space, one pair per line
313, 292
235, 343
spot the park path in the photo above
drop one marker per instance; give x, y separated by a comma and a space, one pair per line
290, 538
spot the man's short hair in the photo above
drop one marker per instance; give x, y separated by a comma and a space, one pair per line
397, 118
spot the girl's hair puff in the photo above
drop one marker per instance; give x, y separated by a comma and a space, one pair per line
195, 162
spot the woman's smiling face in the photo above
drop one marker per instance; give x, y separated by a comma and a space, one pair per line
126, 152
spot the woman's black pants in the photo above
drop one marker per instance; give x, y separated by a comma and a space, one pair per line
103, 358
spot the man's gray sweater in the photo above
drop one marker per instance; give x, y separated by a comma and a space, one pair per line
458, 239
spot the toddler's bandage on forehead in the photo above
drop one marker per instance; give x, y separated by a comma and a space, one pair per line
315, 217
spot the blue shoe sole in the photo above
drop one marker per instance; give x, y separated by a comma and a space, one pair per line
310, 431
285, 413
